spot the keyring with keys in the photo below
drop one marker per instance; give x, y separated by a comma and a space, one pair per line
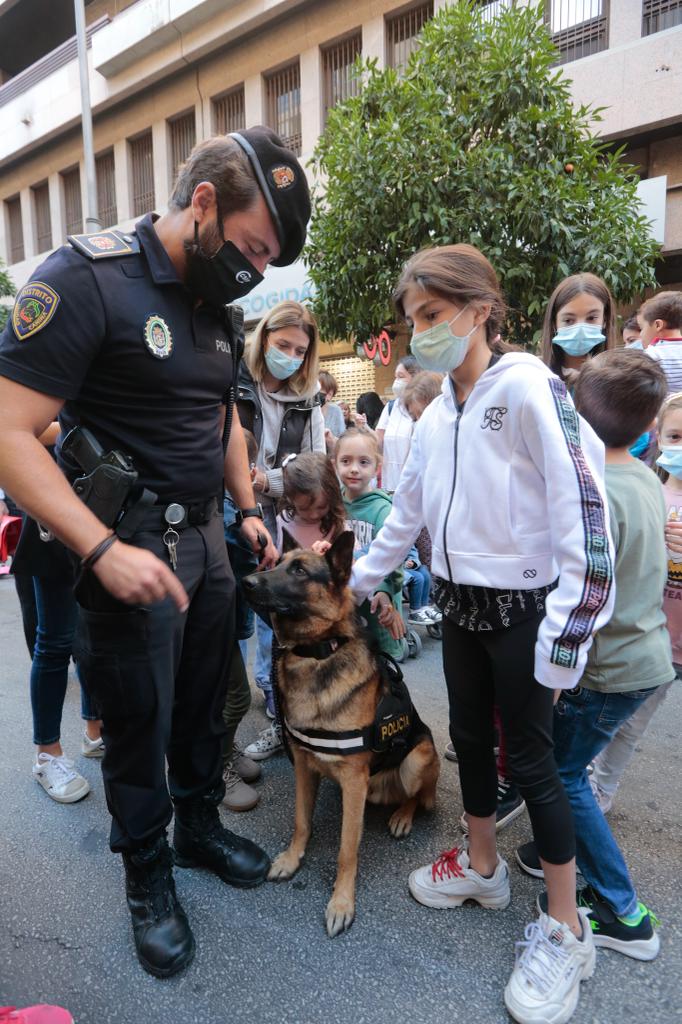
173, 514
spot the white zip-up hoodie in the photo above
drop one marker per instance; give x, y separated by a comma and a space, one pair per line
511, 489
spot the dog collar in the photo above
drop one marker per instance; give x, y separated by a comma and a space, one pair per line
321, 650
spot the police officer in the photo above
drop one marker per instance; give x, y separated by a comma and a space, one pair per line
127, 336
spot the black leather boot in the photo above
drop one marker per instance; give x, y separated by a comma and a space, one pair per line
202, 841
163, 938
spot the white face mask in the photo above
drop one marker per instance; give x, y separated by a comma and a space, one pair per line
398, 386
438, 349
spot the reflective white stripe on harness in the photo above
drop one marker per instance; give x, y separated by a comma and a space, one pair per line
352, 742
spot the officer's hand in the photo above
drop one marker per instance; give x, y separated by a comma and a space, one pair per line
136, 576
254, 532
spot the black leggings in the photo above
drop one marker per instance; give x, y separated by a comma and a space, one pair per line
496, 667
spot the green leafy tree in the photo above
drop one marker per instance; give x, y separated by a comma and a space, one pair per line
6, 290
476, 141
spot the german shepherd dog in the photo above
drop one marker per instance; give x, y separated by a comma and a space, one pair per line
331, 683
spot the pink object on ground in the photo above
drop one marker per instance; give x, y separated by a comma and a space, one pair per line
41, 1014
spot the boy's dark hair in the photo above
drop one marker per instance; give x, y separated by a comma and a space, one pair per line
371, 406
619, 393
664, 306
631, 324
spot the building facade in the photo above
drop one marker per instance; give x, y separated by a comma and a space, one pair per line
165, 74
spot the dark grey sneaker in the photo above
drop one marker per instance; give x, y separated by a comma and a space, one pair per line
638, 940
510, 804
528, 860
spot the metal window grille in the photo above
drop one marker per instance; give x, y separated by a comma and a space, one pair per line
228, 112
284, 105
492, 9
578, 27
403, 30
16, 230
337, 62
660, 14
73, 207
183, 137
106, 189
41, 206
354, 376
142, 172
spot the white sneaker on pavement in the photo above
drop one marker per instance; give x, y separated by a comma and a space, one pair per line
269, 742
59, 779
419, 618
449, 882
550, 964
92, 748
435, 613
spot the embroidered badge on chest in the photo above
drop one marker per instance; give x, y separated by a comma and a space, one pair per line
157, 337
35, 306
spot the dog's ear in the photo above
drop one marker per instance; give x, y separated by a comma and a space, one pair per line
340, 557
288, 542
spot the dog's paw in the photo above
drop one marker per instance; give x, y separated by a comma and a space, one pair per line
340, 915
400, 824
284, 866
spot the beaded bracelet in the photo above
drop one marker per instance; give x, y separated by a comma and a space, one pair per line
98, 551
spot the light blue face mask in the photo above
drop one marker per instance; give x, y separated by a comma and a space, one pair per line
670, 460
578, 339
280, 366
438, 349
637, 343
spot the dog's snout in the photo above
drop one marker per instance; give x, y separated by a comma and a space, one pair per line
249, 584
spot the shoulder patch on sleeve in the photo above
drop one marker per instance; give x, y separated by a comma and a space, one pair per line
105, 243
35, 306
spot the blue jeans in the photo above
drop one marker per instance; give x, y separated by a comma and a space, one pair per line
584, 723
418, 583
243, 562
57, 611
262, 665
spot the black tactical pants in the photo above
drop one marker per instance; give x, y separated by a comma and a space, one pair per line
159, 678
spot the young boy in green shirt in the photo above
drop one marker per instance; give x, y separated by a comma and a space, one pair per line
619, 394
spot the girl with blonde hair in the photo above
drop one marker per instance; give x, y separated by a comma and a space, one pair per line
278, 401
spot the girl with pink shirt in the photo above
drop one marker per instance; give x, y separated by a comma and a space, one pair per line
312, 507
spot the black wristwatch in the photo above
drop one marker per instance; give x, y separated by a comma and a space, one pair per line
248, 513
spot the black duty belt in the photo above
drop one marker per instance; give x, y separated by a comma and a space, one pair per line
177, 515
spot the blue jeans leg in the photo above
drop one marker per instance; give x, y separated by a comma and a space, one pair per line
263, 662
57, 610
584, 723
418, 587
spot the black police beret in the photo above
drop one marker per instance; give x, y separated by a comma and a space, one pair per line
284, 185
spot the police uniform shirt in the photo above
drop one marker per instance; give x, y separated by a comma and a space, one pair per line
119, 340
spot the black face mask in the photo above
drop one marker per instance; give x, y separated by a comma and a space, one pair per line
220, 279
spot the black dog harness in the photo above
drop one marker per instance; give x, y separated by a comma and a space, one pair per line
389, 735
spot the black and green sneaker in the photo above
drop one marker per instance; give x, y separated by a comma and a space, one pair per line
636, 937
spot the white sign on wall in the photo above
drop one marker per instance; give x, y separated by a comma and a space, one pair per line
279, 285
652, 192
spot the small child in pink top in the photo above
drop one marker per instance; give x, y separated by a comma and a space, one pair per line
311, 509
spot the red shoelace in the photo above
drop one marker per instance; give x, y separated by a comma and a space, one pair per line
447, 866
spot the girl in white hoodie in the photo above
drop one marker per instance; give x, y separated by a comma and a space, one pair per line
509, 482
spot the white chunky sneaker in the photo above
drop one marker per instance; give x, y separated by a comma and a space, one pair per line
449, 882
59, 779
550, 964
92, 748
269, 742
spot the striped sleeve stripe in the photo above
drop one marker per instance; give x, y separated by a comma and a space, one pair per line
599, 571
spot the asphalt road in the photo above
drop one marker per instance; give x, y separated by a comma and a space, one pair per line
263, 956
